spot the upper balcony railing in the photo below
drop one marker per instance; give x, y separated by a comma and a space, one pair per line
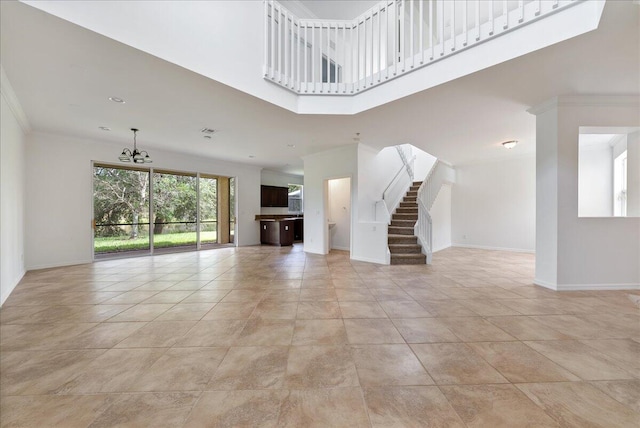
330, 57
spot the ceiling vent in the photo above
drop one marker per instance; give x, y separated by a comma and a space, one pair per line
207, 131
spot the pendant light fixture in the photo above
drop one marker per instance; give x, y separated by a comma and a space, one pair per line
510, 144
135, 156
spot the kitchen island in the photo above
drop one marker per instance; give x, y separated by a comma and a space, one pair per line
280, 229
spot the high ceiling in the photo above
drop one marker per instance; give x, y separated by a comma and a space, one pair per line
338, 9
63, 75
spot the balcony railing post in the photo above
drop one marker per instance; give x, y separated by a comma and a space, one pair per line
313, 57
396, 48
477, 20
465, 28
421, 47
272, 21
491, 17
402, 35
442, 29
505, 15
520, 11
453, 26
266, 38
411, 25
431, 21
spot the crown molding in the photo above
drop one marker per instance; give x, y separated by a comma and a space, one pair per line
586, 101
12, 101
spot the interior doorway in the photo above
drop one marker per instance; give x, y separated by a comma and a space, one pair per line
338, 207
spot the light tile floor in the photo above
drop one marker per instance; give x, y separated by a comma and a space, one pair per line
264, 336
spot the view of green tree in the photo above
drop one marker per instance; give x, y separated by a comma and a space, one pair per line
174, 200
120, 196
121, 209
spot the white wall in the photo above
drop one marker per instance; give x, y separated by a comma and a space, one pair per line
318, 168
280, 179
494, 205
423, 163
441, 219
595, 181
339, 211
226, 41
633, 174
376, 169
591, 253
60, 191
12, 194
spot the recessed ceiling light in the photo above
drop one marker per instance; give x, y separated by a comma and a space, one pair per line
509, 144
117, 100
104, 128
291, 145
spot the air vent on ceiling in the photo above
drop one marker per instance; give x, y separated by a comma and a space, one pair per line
207, 131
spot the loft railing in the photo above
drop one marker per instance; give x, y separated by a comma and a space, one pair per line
317, 56
440, 174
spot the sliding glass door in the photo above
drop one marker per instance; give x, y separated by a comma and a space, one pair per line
175, 199
208, 211
121, 210
183, 208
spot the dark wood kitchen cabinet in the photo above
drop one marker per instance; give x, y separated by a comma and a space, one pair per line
273, 196
276, 232
298, 229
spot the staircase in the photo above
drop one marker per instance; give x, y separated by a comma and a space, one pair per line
403, 244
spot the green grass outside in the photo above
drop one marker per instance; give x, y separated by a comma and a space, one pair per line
123, 243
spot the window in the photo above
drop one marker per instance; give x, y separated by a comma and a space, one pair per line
295, 198
232, 209
331, 77
620, 185
608, 164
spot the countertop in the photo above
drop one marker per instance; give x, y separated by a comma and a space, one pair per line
278, 217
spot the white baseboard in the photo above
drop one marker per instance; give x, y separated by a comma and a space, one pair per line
442, 248
55, 265
3, 297
485, 247
369, 260
545, 284
586, 287
596, 287
341, 248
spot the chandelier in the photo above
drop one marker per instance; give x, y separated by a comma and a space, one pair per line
135, 156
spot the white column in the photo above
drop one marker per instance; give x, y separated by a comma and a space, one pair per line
571, 252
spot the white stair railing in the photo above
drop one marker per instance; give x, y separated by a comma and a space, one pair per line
440, 174
397, 187
332, 57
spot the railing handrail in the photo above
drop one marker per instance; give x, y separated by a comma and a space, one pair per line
394, 37
405, 166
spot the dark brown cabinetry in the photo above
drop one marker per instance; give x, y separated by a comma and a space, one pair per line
298, 229
273, 196
277, 232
